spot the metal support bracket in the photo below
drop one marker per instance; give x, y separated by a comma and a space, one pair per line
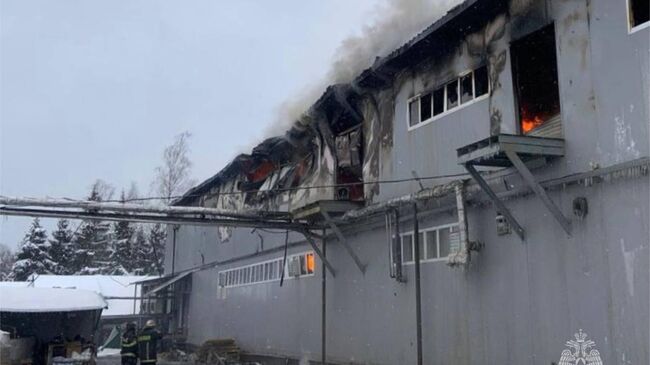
495, 199
343, 241
539, 191
314, 246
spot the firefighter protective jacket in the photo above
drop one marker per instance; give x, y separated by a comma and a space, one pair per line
129, 344
148, 345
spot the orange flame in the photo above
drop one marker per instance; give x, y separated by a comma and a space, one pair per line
311, 264
529, 122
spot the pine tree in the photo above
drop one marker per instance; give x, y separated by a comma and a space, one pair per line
7, 259
90, 247
157, 238
141, 252
121, 260
60, 249
32, 256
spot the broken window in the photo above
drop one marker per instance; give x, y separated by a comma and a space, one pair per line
536, 80
425, 107
452, 94
639, 12
439, 101
466, 88
480, 81
349, 165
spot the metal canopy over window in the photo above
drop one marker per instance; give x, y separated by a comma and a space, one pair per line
507, 150
170, 282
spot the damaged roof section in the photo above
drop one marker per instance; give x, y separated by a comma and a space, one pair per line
465, 18
278, 165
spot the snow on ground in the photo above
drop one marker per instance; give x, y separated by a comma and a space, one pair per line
108, 352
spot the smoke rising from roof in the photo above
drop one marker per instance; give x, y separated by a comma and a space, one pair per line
393, 23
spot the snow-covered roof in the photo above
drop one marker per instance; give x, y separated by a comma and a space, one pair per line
13, 284
32, 300
106, 285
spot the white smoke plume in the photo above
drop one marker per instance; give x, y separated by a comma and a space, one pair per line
392, 23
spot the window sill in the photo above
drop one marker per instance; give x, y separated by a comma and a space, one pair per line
427, 261
639, 27
448, 112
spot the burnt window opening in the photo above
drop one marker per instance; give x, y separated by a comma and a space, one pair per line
349, 169
425, 106
480, 81
639, 12
439, 101
466, 88
536, 82
452, 94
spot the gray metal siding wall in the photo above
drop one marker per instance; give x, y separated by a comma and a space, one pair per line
516, 302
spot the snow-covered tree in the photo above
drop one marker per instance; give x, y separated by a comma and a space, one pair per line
141, 252
121, 260
157, 237
32, 256
91, 249
7, 259
60, 250
173, 176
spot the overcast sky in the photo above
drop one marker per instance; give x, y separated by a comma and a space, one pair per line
97, 89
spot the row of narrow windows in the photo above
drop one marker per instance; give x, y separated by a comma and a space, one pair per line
296, 266
435, 244
448, 97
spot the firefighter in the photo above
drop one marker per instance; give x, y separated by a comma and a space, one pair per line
148, 343
129, 349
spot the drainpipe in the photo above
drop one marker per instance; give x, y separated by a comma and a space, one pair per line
323, 309
174, 229
418, 295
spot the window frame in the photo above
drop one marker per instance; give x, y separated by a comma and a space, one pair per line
631, 29
423, 255
446, 111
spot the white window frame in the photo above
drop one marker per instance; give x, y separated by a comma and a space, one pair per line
234, 277
446, 111
423, 255
633, 29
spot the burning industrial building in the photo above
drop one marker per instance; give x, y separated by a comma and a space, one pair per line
451, 203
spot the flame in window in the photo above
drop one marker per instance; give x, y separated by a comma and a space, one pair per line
530, 122
311, 264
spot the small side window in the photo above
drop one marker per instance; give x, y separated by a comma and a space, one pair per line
407, 248
414, 112
480, 81
639, 12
